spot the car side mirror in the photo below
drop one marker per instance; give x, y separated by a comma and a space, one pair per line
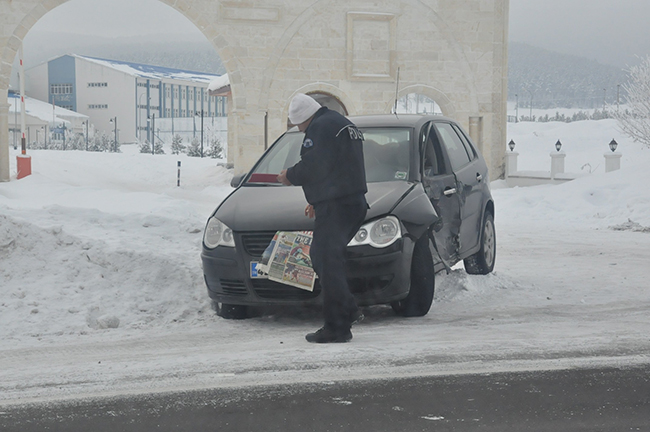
237, 179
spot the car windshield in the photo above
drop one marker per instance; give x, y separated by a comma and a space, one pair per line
385, 151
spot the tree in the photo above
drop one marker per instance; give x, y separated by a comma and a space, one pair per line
177, 145
145, 147
635, 121
100, 143
194, 149
215, 150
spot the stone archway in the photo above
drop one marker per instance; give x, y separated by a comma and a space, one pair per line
456, 52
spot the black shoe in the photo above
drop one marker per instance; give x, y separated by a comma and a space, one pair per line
325, 335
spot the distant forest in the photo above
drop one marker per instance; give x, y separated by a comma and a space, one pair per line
555, 80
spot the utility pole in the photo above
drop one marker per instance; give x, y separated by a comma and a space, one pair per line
153, 133
516, 108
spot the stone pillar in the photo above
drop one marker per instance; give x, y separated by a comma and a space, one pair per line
557, 163
476, 132
4, 139
511, 163
612, 161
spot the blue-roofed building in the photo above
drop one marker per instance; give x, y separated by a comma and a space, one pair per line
137, 94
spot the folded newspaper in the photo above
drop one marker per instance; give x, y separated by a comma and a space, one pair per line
286, 259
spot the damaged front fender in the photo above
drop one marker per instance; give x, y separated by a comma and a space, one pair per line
416, 212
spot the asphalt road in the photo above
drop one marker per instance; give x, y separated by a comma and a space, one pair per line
562, 400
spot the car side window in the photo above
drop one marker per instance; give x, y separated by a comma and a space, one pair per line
456, 151
468, 146
433, 163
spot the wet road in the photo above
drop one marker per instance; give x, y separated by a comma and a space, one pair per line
566, 400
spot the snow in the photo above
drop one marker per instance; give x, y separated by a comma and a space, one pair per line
42, 110
219, 82
102, 291
152, 72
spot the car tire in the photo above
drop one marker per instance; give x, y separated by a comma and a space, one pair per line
230, 311
482, 262
418, 301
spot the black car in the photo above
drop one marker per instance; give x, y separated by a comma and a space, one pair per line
430, 207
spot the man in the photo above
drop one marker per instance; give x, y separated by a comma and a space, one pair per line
333, 179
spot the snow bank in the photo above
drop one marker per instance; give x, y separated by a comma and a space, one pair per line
99, 260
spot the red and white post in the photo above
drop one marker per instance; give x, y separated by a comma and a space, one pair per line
24, 162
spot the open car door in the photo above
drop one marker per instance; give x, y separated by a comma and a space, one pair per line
441, 187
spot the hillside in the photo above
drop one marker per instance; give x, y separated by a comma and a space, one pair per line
560, 80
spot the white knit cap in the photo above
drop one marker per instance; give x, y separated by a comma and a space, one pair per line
301, 108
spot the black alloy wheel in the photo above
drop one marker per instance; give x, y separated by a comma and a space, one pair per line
482, 262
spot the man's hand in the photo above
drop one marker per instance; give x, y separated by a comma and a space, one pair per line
309, 211
282, 178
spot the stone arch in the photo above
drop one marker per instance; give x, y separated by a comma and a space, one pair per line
446, 105
321, 87
189, 10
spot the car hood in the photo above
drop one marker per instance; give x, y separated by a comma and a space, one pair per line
282, 208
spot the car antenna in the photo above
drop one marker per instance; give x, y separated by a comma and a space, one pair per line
396, 93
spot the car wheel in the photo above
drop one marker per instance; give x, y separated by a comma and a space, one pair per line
230, 311
482, 262
418, 301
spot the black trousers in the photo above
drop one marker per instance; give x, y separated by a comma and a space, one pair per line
337, 221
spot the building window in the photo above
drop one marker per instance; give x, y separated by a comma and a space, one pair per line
60, 89
168, 92
97, 84
98, 106
175, 112
168, 112
176, 93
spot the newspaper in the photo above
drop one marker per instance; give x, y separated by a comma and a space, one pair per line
286, 259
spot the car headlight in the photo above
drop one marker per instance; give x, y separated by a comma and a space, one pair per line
379, 233
217, 233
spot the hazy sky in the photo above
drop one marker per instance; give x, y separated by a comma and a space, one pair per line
610, 31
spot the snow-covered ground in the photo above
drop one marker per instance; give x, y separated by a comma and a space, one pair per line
101, 289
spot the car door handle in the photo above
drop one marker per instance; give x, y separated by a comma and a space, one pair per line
449, 191
479, 177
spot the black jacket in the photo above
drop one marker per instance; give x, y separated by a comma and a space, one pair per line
331, 164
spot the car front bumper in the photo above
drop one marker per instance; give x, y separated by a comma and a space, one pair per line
375, 276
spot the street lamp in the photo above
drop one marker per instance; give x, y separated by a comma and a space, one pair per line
516, 108
63, 129
114, 121
86, 123
197, 113
612, 145
511, 144
558, 145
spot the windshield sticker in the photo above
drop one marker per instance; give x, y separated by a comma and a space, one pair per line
308, 143
400, 175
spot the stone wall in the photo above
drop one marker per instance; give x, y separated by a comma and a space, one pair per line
454, 51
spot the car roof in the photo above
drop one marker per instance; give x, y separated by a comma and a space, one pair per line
392, 120
395, 120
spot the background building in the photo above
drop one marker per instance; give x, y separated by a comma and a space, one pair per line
45, 124
124, 98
